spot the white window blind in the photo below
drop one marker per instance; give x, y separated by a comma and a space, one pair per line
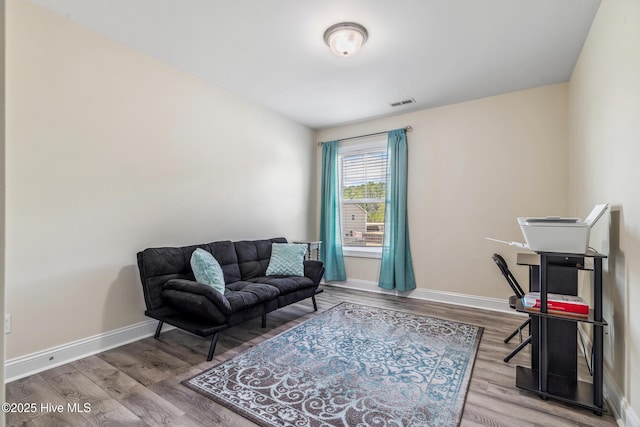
363, 176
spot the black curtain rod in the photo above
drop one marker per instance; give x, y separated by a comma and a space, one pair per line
406, 129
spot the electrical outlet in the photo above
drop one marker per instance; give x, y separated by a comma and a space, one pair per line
7, 323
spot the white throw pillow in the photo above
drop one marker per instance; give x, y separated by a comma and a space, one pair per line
207, 270
287, 259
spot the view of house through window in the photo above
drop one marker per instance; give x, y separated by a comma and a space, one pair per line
363, 177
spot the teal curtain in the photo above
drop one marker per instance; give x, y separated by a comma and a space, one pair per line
396, 269
330, 231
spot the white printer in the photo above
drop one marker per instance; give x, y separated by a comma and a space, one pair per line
557, 234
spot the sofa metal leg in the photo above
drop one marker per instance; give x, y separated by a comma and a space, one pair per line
158, 329
212, 348
264, 320
315, 305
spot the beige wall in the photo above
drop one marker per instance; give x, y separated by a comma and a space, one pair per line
110, 151
604, 123
473, 168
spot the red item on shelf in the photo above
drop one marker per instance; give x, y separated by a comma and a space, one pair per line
557, 303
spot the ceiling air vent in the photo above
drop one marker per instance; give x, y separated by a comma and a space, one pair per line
404, 102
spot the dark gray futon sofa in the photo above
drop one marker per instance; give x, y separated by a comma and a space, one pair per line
173, 296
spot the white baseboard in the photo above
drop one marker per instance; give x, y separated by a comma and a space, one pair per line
622, 412
629, 416
30, 364
33, 363
494, 304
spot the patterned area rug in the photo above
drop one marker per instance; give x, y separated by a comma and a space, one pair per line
352, 365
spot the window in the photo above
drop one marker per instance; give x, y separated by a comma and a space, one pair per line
363, 177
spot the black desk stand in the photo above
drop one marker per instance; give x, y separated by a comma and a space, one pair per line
547, 381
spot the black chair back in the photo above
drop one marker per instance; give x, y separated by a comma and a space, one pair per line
502, 265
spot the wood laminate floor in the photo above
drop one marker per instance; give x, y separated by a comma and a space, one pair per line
138, 384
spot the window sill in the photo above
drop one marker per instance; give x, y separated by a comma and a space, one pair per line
362, 252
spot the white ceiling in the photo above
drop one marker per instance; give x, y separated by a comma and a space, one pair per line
272, 51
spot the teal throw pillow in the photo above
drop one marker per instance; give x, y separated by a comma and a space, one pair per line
207, 270
287, 259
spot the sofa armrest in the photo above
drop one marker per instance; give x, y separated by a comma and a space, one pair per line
189, 286
314, 270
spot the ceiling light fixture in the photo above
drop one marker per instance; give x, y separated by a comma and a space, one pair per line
345, 38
